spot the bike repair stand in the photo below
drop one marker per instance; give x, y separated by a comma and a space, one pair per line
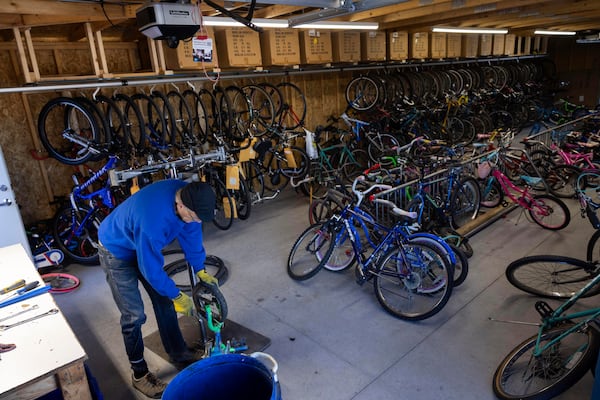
216, 346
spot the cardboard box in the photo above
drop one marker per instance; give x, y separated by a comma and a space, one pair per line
315, 47
438, 45
485, 45
470, 45
280, 47
498, 45
198, 53
453, 45
526, 45
238, 47
373, 46
419, 45
346, 46
398, 46
510, 42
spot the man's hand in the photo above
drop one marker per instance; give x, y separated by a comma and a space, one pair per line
206, 277
183, 304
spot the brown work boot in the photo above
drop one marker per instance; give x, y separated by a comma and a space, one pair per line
150, 385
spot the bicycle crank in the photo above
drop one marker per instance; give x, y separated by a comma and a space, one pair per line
49, 312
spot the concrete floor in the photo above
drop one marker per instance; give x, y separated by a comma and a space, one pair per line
330, 337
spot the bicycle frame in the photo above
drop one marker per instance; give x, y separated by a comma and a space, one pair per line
557, 317
525, 198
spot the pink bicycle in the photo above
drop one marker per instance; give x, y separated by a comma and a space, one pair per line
546, 210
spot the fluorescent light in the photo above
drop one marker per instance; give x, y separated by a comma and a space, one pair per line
469, 30
319, 15
262, 22
543, 32
339, 25
284, 23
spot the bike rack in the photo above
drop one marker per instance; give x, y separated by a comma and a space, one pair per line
191, 161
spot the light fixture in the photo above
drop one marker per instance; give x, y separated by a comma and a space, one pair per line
262, 22
559, 33
284, 23
339, 25
469, 30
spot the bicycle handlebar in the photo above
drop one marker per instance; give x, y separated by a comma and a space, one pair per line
361, 195
397, 210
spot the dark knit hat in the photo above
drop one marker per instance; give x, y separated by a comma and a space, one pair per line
200, 198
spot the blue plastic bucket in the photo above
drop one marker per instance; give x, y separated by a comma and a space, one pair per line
227, 377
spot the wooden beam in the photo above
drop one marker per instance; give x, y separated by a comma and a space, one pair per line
58, 8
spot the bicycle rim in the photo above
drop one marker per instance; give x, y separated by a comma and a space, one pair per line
549, 212
549, 276
413, 282
310, 252
522, 376
76, 234
205, 295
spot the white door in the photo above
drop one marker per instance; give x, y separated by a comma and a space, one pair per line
11, 225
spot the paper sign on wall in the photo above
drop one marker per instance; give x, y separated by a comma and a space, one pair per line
202, 49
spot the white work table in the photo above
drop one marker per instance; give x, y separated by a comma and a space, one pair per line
48, 355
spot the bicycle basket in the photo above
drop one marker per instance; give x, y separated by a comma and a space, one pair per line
483, 169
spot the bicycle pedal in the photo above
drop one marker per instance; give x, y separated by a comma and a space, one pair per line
543, 309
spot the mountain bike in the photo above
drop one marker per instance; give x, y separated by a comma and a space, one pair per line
412, 280
557, 356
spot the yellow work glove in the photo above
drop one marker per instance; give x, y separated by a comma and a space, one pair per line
206, 277
183, 304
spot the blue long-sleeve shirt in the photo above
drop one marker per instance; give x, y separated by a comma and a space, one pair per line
144, 224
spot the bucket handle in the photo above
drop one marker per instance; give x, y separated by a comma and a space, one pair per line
269, 361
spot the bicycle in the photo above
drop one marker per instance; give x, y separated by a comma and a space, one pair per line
559, 277
75, 225
545, 210
412, 280
556, 357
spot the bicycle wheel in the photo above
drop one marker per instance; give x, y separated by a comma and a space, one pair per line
354, 164
562, 180
320, 210
68, 131
464, 202
413, 282
593, 248
461, 267
555, 277
223, 206
380, 145
293, 162
521, 375
549, 212
263, 110
243, 200
342, 256
447, 251
76, 233
60, 282
178, 269
492, 194
362, 93
254, 180
205, 295
311, 251
242, 113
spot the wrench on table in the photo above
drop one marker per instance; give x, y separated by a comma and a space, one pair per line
33, 307
49, 312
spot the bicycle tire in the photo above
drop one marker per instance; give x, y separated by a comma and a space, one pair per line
62, 116
593, 252
254, 180
301, 161
464, 202
242, 113
555, 277
461, 267
200, 126
551, 373
293, 110
183, 120
311, 251
177, 269
168, 114
61, 282
274, 179
562, 180
204, 294
118, 130
380, 146
321, 209
355, 165
134, 120
154, 121
446, 250
342, 256
545, 206
243, 200
275, 94
79, 243
362, 93
417, 272
492, 195
263, 110
224, 214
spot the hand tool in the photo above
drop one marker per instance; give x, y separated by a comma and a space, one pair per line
49, 312
33, 307
26, 295
18, 284
24, 289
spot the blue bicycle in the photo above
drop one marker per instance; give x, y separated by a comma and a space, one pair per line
412, 278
